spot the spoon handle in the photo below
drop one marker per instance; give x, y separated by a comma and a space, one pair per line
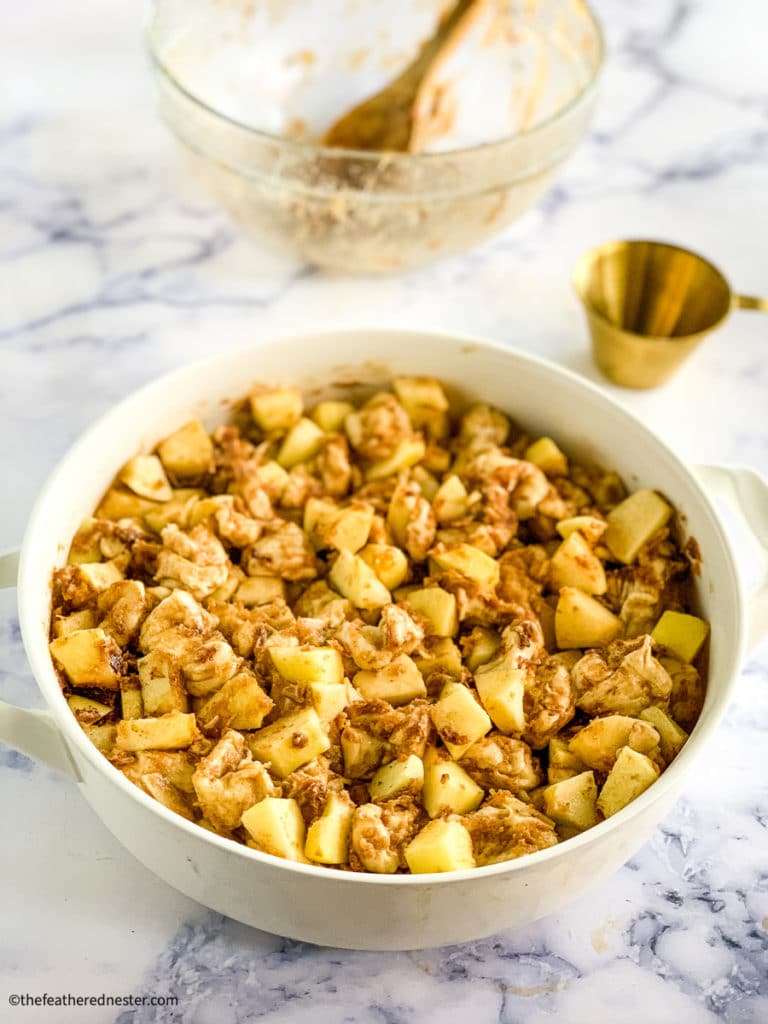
750, 302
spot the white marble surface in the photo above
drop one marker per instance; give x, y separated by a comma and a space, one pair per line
114, 268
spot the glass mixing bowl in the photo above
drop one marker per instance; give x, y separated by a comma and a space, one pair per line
374, 212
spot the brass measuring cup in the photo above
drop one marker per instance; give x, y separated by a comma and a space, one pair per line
648, 306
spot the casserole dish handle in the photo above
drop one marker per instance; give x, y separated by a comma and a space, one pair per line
745, 492
32, 732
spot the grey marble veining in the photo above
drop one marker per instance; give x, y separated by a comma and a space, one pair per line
115, 268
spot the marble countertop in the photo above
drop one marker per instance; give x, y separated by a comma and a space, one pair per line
114, 269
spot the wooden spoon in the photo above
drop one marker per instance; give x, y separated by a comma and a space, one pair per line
385, 120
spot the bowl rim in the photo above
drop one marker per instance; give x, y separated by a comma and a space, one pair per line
42, 668
307, 147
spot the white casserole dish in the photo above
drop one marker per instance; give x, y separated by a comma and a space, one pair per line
322, 905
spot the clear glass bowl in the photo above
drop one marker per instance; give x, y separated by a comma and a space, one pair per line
365, 212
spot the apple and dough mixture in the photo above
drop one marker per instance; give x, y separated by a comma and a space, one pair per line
385, 637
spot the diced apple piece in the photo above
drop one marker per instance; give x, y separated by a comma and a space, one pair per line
573, 802
563, 763
396, 778
102, 736
275, 825
328, 699
575, 564
276, 409
308, 665
89, 657
683, 635
428, 484
162, 685
545, 454
581, 621
88, 711
131, 701
388, 562
407, 453
257, 590
671, 737
188, 452
301, 444
470, 562
63, 625
440, 846
86, 544
631, 775
328, 837
438, 607
481, 646
241, 703
175, 510
399, 682
421, 397
100, 575
632, 523
273, 478
123, 504
168, 732
598, 743
346, 529
362, 753
447, 787
330, 415
590, 527
501, 686
451, 501
316, 511
440, 655
290, 742
459, 719
356, 580
144, 475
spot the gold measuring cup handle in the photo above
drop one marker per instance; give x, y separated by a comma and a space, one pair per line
750, 302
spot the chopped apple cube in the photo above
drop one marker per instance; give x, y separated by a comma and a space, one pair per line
120, 503
144, 474
308, 665
241, 703
438, 607
302, 444
590, 527
275, 825
65, 624
447, 787
407, 453
168, 732
683, 635
131, 701
328, 837
671, 737
330, 415
399, 682
428, 484
451, 501
162, 686
459, 719
356, 580
581, 621
573, 802
632, 523
575, 564
420, 397
440, 655
328, 699
631, 775
276, 409
89, 657
481, 646
188, 452
290, 742
545, 454
257, 590
175, 510
273, 478
440, 846
362, 753
388, 562
470, 562
501, 686
102, 736
563, 763
345, 529
88, 711
598, 743
397, 778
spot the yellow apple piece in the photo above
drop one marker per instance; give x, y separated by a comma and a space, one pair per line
396, 778
388, 562
581, 621
631, 775
65, 624
683, 635
598, 743
459, 719
355, 579
440, 655
438, 607
574, 564
276, 409
562, 762
330, 415
131, 700
501, 687
241, 703
407, 453
145, 476
481, 647
329, 835
162, 685
671, 737
257, 590
447, 787
290, 742
89, 657
573, 802
632, 523
590, 527
119, 503
470, 562
398, 683
301, 444
307, 665
420, 397
545, 454
440, 846
167, 732
451, 500
88, 711
188, 452
275, 825
175, 510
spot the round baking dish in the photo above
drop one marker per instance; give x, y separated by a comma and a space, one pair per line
319, 904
